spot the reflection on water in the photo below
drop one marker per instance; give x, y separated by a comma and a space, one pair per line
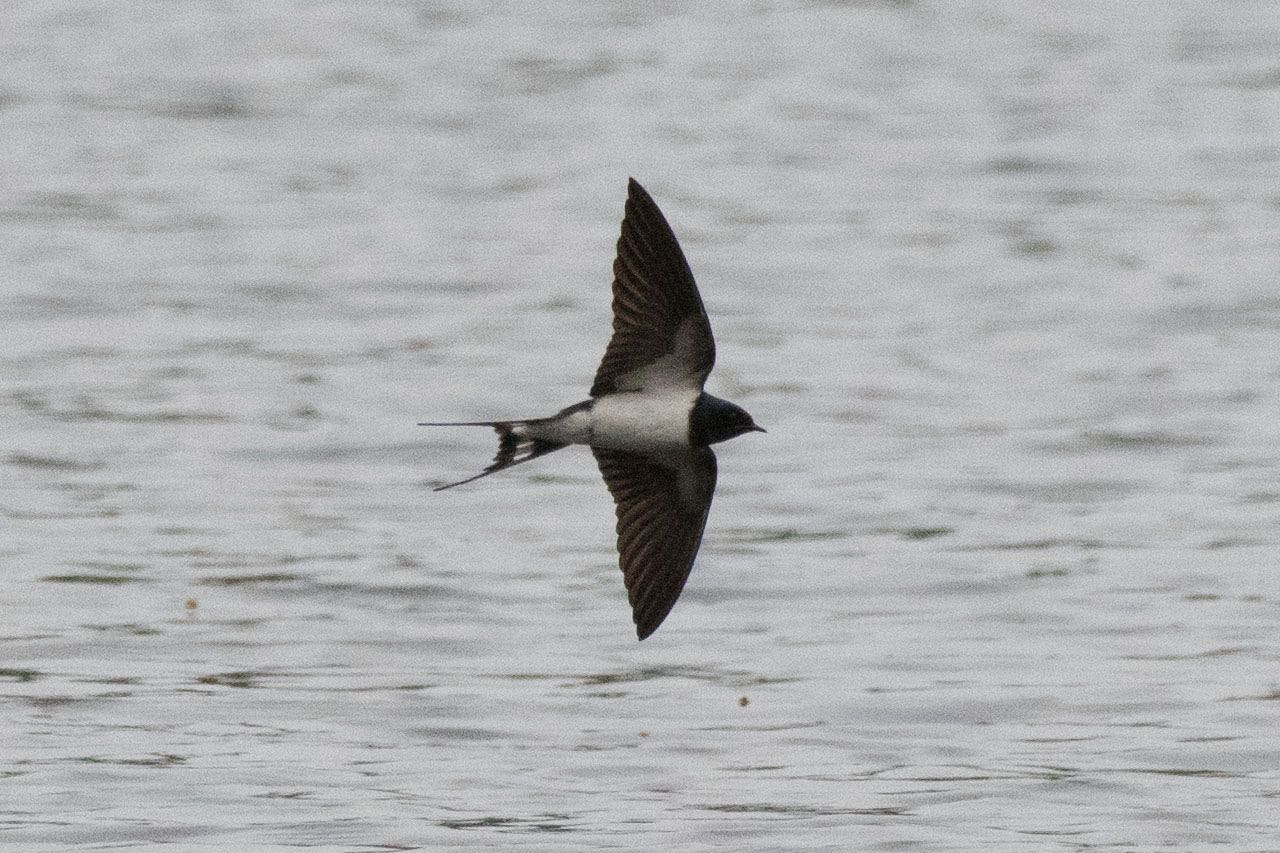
998, 277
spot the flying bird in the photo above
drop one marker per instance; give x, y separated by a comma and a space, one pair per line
648, 421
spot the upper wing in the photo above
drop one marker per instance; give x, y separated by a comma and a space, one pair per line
661, 335
661, 515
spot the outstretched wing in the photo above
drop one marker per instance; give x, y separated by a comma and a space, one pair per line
661, 335
661, 512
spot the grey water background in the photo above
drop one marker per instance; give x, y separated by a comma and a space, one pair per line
999, 277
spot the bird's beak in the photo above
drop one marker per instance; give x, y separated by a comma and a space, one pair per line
758, 428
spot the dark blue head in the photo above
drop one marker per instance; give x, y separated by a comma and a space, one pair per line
713, 420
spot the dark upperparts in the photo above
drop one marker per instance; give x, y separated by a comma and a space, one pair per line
713, 420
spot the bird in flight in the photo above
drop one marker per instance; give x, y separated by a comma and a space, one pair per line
648, 421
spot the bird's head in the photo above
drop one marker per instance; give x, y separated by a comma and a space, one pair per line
714, 420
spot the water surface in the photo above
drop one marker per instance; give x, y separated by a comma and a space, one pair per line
999, 277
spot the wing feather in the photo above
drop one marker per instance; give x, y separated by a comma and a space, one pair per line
661, 334
662, 512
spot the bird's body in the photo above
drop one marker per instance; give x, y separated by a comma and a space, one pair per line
652, 424
648, 422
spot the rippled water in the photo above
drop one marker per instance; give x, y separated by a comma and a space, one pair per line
999, 277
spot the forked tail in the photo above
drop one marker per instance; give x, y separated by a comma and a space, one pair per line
514, 446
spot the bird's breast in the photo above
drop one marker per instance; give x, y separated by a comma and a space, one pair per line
642, 422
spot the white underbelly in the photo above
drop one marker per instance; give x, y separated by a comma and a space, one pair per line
637, 422
642, 422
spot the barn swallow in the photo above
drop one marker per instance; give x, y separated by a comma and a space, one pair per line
648, 422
